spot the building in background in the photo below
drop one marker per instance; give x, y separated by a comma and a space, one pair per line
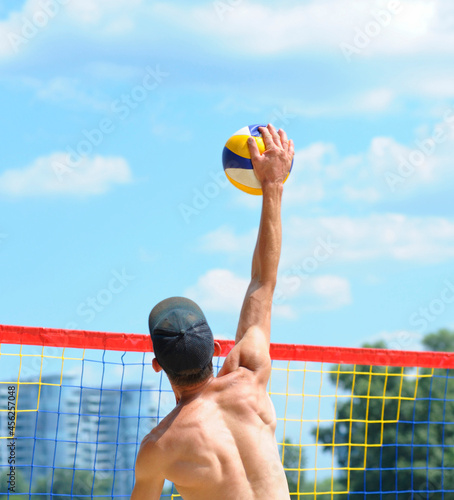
63, 425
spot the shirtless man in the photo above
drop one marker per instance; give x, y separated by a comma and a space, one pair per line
218, 443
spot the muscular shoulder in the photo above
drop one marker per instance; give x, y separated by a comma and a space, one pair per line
152, 452
149, 452
149, 471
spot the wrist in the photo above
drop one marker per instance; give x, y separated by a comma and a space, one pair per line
272, 187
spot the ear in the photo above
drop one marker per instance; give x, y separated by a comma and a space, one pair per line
217, 349
156, 366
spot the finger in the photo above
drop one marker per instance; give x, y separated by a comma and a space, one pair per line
253, 149
275, 135
267, 139
284, 140
283, 136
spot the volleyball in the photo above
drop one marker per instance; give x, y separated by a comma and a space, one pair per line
236, 159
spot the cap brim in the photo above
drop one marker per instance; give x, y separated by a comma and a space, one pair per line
166, 306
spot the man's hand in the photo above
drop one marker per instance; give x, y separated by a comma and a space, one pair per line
273, 166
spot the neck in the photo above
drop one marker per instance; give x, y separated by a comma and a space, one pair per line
185, 394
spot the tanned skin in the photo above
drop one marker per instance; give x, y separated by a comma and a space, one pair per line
219, 443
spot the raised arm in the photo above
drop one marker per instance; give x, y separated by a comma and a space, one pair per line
253, 333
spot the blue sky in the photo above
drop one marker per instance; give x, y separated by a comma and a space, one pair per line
112, 194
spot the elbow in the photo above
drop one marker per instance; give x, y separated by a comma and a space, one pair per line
264, 277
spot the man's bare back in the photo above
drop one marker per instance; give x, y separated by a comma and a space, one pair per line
221, 444
219, 441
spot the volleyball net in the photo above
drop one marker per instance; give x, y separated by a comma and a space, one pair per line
352, 423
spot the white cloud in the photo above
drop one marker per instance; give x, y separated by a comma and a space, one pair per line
224, 239
56, 175
334, 289
370, 100
401, 340
69, 90
432, 85
252, 202
318, 241
374, 100
386, 171
115, 14
313, 293
284, 311
37, 20
273, 30
252, 27
311, 168
387, 236
220, 290
361, 180
320, 26
366, 194
246, 29
224, 336
26, 24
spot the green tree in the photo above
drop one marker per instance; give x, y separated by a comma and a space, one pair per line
441, 341
294, 459
324, 490
407, 457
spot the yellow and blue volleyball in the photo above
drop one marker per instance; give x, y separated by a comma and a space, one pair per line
236, 159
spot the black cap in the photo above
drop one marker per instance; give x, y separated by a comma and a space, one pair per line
182, 339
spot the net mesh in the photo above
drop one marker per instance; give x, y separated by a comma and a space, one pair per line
351, 423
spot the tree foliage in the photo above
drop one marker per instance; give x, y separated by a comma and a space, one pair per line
409, 455
294, 460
